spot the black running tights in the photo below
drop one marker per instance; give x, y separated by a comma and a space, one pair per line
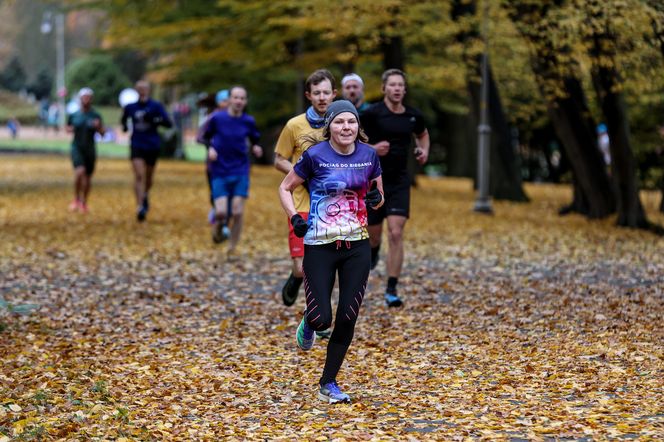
351, 260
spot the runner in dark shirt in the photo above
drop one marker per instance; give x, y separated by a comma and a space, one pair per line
83, 123
145, 115
390, 126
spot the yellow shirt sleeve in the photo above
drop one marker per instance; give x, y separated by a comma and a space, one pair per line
286, 142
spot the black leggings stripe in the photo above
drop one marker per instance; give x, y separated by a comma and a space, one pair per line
351, 261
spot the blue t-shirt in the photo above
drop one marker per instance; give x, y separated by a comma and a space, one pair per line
337, 185
145, 117
229, 135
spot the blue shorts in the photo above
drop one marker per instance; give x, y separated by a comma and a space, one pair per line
230, 186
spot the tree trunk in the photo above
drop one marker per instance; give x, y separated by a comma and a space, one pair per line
568, 110
630, 210
393, 53
505, 174
592, 187
658, 29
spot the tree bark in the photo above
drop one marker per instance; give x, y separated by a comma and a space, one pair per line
576, 130
607, 83
505, 174
393, 53
567, 109
658, 29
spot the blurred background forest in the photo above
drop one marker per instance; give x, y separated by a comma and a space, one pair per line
559, 70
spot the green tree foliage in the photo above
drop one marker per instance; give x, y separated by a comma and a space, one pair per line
12, 76
42, 85
99, 72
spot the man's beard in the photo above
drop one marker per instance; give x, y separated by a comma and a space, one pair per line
358, 98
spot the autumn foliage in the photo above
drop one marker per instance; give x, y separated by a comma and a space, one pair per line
521, 325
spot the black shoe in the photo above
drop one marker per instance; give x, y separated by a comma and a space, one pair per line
290, 291
141, 214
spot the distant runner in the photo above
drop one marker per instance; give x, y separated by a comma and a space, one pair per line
145, 115
228, 131
84, 123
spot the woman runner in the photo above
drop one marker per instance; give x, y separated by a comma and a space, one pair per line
339, 173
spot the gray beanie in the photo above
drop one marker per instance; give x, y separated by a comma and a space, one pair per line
338, 107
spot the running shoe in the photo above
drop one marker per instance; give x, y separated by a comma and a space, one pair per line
331, 394
221, 233
392, 300
324, 334
83, 208
290, 291
305, 336
74, 206
141, 213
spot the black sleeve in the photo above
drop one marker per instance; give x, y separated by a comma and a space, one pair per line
368, 121
419, 126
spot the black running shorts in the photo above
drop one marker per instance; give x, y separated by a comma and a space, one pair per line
148, 155
397, 200
84, 158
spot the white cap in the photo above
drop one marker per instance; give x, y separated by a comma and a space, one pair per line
85, 91
352, 76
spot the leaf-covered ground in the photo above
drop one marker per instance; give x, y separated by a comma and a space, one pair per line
524, 325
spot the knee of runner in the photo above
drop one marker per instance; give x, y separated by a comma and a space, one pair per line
395, 235
220, 215
319, 321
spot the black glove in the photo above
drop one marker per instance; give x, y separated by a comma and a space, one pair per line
373, 196
155, 120
300, 226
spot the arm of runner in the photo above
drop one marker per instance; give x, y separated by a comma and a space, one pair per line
381, 147
290, 182
422, 143
257, 150
200, 134
376, 185
282, 164
212, 153
123, 120
99, 126
69, 128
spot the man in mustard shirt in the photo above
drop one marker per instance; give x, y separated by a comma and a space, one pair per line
320, 90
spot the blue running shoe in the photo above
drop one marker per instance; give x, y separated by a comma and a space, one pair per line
392, 300
331, 394
305, 336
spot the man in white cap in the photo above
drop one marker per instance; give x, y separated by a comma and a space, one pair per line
83, 123
352, 89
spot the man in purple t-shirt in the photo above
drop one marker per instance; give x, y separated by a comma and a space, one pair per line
228, 132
